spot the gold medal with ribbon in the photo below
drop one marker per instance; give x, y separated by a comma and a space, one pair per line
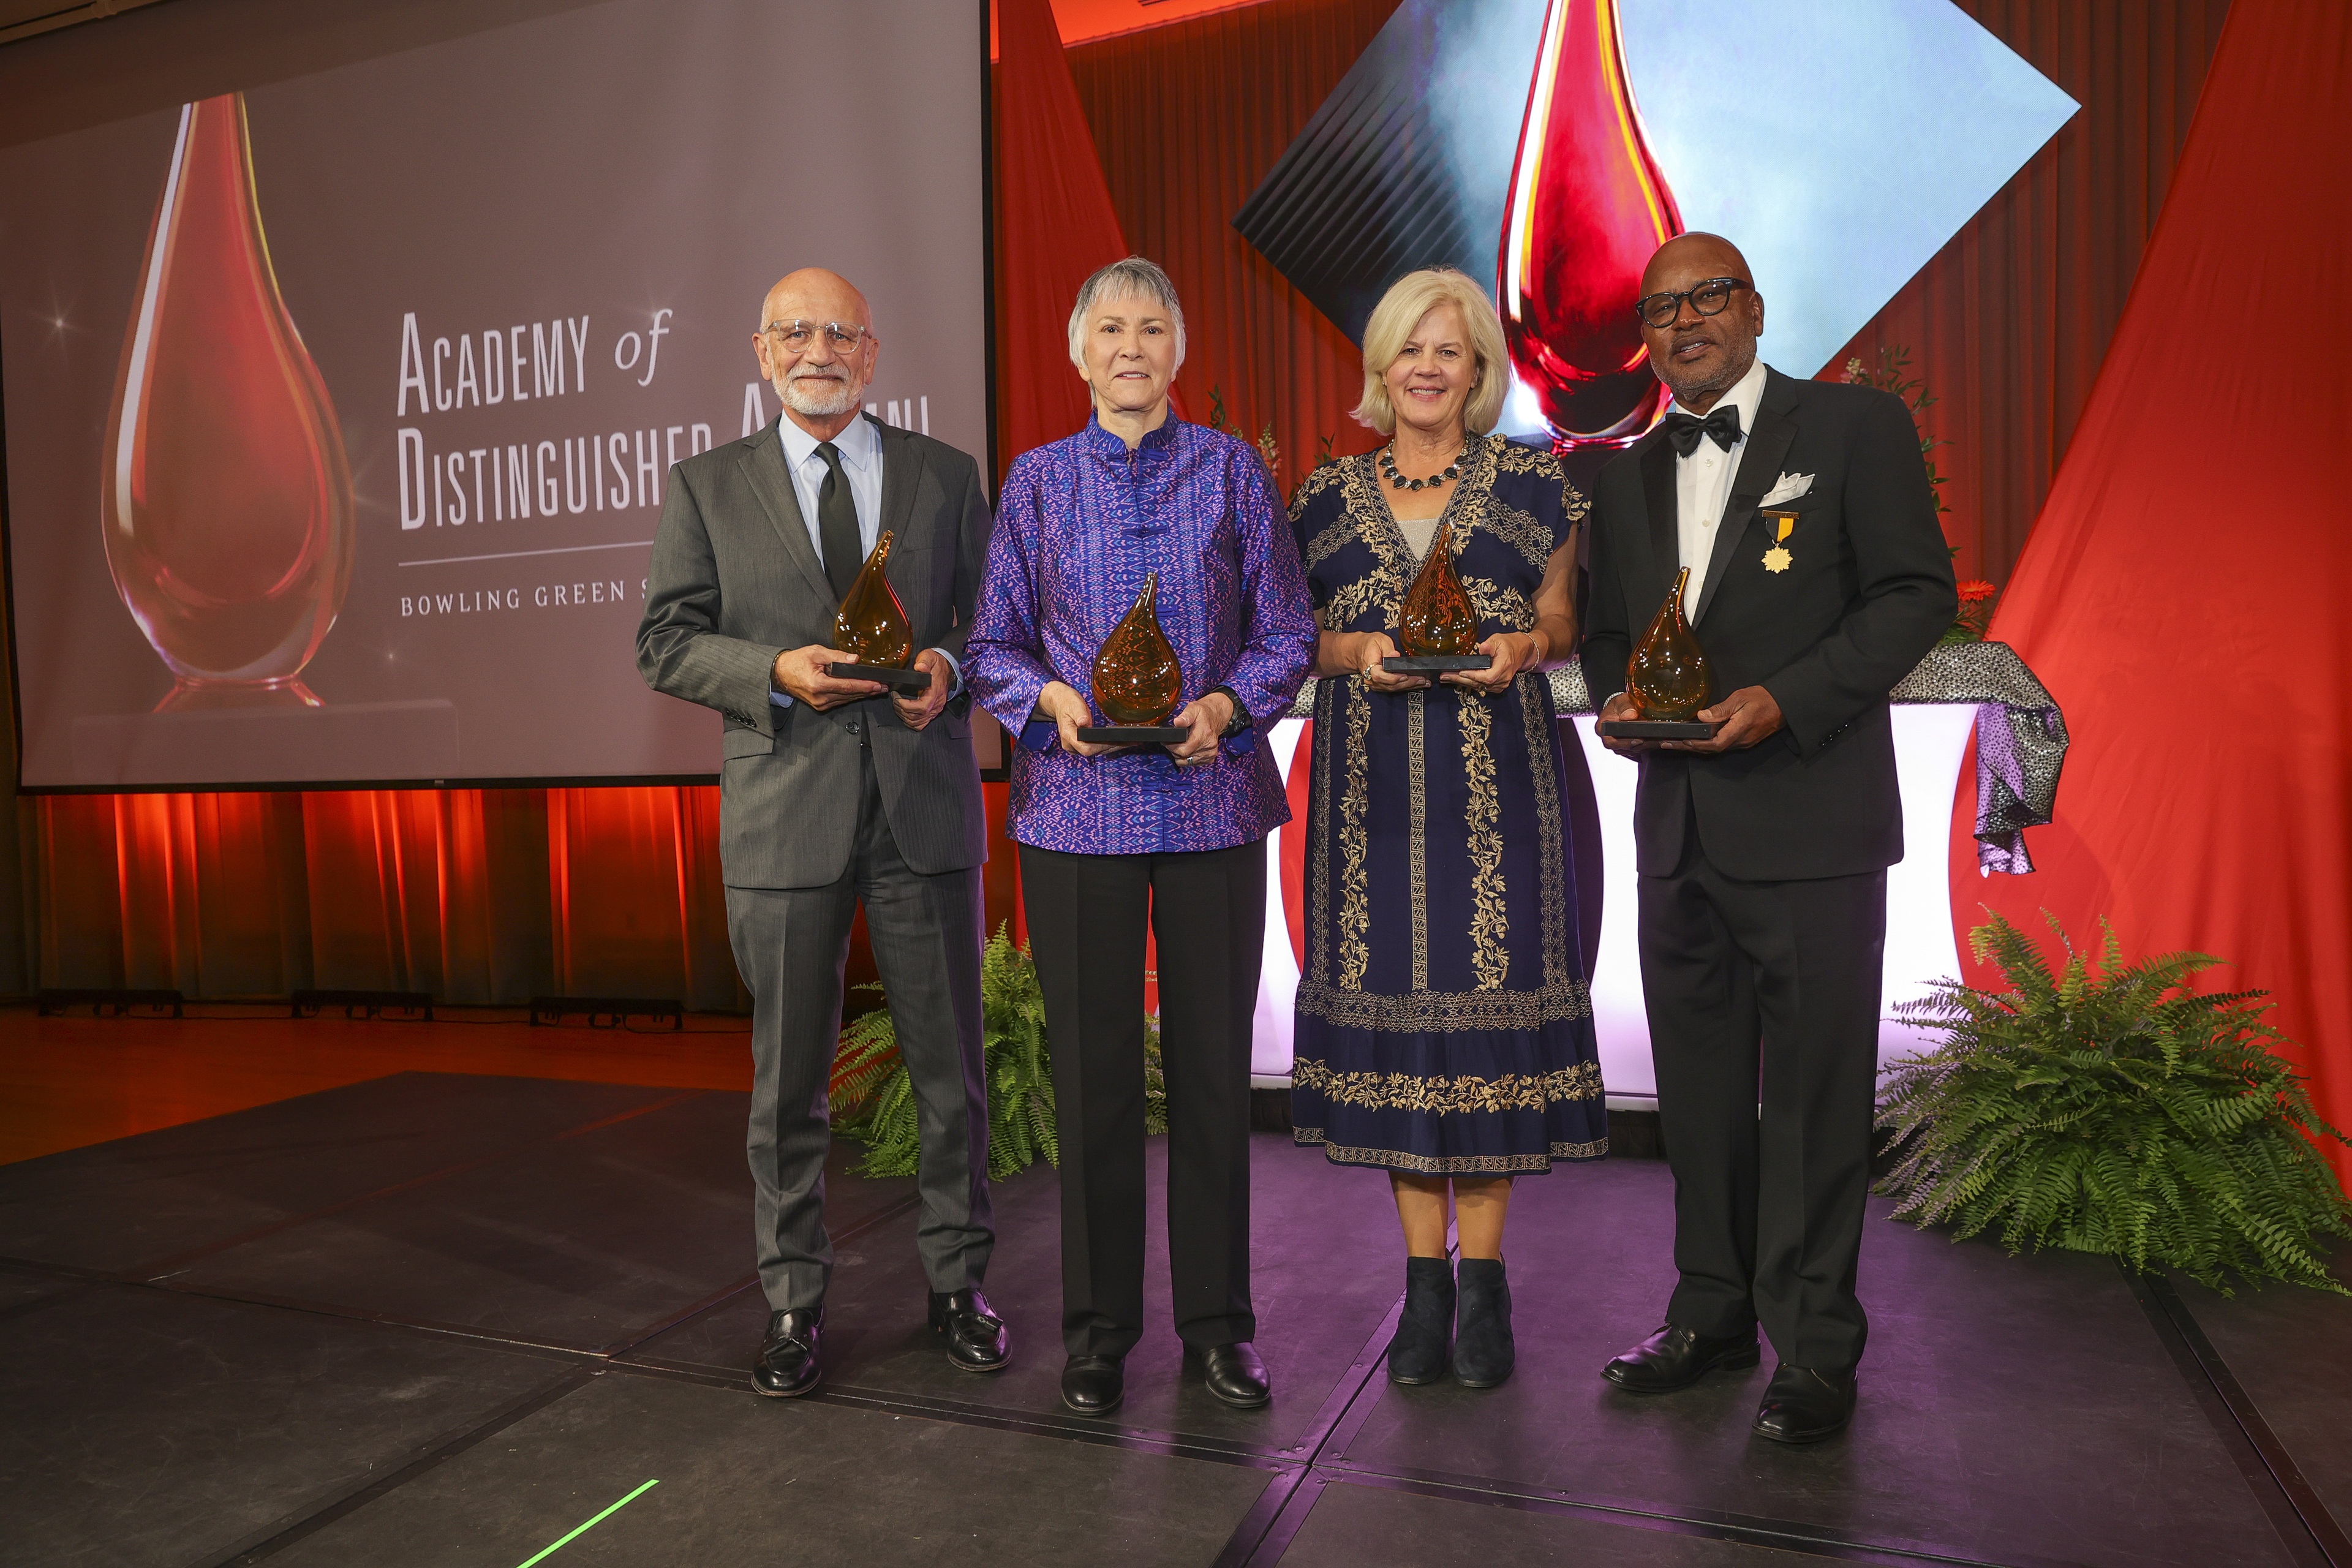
1778, 558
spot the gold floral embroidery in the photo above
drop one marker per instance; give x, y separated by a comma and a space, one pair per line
1328, 543
1516, 457
1416, 726
1441, 1012
1448, 1096
1327, 697
1520, 530
1322, 477
1551, 872
1447, 1164
1355, 909
1490, 921
1374, 594
1507, 607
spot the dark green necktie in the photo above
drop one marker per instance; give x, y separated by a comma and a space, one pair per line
837, 523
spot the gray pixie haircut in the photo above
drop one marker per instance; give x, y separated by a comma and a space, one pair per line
1132, 276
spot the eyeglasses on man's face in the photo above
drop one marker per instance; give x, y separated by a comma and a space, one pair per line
1707, 297
798, 336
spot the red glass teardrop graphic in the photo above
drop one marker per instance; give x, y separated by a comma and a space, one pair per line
226, 501
1587, 208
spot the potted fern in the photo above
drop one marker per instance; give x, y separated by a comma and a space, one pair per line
2109, 1108
877, 1098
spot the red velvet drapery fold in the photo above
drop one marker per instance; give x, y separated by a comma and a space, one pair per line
2183, 594
1054, 226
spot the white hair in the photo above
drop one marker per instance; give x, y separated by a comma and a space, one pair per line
1132, 276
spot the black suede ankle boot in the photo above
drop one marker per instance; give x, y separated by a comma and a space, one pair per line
1424, 1334
1483, 1349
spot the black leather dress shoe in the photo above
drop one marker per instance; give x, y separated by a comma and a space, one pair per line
1234, 1374
787, 1365
975, 1334
1805, 1404
1093, 1384
1675, 1358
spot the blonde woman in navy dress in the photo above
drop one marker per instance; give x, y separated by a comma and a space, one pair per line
1444, 1031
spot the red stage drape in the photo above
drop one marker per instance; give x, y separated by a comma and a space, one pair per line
2183, 595
1054, 226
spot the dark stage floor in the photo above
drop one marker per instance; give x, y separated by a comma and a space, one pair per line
441, 1320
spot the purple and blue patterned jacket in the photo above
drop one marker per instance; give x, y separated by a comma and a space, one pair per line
1080, 523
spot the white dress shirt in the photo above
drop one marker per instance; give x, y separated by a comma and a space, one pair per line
860, 447
1703, 480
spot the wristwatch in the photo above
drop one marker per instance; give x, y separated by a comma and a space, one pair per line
1241, 720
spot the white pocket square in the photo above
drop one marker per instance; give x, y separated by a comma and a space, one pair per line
1790, 488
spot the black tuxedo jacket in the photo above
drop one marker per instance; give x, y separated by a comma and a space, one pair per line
1867, 592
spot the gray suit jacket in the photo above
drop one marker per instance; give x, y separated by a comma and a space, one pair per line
735, 581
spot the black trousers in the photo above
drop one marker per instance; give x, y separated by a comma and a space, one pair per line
1086, 914
1766, 991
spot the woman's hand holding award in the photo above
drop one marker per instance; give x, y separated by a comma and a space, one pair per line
1667, 680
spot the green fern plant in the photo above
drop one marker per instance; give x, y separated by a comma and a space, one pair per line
877, 1097
2109, 1108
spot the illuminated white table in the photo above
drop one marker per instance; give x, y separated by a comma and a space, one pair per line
1931, 741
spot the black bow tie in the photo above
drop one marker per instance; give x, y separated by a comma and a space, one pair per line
1684, 429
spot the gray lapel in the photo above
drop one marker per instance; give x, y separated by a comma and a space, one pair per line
763, 466
1759, 466
902, 469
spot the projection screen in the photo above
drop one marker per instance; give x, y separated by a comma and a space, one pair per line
340, 405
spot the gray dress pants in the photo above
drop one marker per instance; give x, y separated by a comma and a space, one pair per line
791, 944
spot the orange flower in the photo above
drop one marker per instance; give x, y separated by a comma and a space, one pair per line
1976, 590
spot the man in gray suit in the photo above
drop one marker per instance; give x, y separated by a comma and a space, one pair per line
835, 793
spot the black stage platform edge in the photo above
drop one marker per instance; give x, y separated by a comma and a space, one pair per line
416, 1004
104, 1001
606, 1012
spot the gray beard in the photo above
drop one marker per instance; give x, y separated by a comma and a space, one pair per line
1684, 391
819, 398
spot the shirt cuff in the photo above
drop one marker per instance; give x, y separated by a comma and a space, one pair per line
779, 698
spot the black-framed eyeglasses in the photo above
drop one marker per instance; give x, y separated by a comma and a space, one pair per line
843, 337
1707, 297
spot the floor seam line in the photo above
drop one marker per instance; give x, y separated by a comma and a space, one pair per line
2276, 1456
332, 1509
2270, 1495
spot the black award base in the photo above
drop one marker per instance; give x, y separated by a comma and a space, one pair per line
895, 679
1433, 663
1133, 734
1655, 730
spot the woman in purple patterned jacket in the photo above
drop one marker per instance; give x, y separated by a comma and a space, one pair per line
1179, 831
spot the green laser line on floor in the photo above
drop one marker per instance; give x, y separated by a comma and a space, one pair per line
546, 1552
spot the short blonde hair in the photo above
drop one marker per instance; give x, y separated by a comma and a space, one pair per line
1132, 276
1410, 297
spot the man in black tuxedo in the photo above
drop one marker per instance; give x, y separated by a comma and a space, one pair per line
1762, 852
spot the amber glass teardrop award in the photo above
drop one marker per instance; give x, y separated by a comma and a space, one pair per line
1437, 628
1138, 682
872, 625
1667, 678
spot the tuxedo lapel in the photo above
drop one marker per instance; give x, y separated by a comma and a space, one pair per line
763, 466
1665, 542
1759, 467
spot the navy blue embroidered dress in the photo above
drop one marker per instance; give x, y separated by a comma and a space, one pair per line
1444, 1026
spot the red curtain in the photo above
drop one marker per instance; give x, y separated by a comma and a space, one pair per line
1188, 119
2183, 594
1054, 226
